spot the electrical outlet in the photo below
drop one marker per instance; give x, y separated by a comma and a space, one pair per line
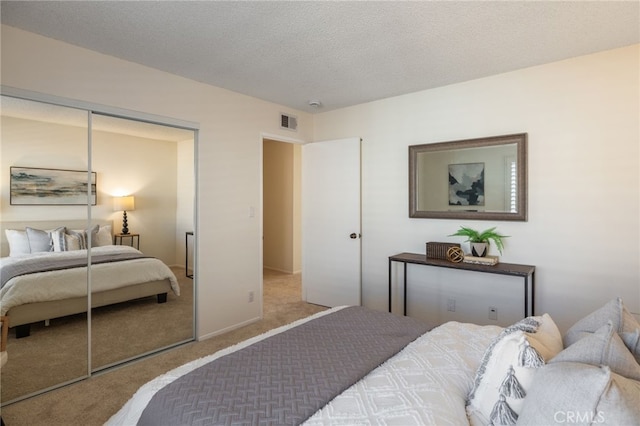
493, 313
451, 305
250, 296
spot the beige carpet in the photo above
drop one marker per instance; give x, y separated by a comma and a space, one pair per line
58, 353
93, 401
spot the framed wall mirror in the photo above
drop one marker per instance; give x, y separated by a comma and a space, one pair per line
478, 179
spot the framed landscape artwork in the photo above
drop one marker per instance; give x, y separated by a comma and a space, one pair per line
36, 186
466, 184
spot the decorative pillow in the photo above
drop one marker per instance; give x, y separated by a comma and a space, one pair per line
604, 347
103, 236
74, 240
39, 241
91, 234
632, 341
613, 311
508, 367
575, 393
18, 242
58, 239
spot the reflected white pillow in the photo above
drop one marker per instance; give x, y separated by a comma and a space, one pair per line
104, 237
18, 242
39, 240
73, 241
58, 239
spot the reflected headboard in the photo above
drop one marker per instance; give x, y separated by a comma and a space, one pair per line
45, 225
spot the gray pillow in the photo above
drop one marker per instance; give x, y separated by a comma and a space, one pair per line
575, 393
632, 341
39, 241
92, 236
604, 347
613, 311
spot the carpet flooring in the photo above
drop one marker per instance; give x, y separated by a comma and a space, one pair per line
57, 353
95, 400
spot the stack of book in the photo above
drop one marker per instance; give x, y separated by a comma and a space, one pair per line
485, 260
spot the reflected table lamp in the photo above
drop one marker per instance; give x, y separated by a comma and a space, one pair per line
124, 204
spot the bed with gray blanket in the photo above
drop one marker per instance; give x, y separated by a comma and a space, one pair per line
42, 284
356, 366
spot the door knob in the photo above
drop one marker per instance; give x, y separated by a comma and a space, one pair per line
353, 235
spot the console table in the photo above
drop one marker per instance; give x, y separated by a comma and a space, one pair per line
527, 272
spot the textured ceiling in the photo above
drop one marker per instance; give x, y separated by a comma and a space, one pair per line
340, 53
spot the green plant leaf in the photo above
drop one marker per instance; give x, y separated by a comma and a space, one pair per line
485, 236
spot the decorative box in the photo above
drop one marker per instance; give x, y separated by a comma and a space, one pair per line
439, 250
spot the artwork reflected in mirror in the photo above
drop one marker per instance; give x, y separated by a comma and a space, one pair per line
466, 184
483, 178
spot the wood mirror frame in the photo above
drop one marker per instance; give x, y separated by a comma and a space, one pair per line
501, 194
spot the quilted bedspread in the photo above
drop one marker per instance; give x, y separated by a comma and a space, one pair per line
426, 383
286, 378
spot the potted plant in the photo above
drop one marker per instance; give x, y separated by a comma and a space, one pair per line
480, 241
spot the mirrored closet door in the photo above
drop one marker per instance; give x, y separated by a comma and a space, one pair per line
96, 292
147, 171
44, 165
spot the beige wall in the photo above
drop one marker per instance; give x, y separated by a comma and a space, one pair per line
581, 116
124, 165
229, 151
281, 218
583, 119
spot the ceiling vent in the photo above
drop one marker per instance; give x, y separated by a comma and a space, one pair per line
288, 122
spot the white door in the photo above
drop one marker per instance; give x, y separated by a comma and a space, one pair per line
331, 273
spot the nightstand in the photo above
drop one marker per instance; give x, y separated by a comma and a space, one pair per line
118, 239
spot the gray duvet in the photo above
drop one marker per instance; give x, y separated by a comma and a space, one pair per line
286, 378
46, 264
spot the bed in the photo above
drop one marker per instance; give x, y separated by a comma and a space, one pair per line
118, 274
356, 366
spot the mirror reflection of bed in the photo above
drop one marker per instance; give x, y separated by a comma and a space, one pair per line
141, 311
156, 163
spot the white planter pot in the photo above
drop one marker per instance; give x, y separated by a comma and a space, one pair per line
479, 249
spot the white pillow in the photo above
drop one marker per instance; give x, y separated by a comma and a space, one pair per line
575, 393
73, 241
508, 367
91, 234
39, 240
58, 239
18, 242
104, 237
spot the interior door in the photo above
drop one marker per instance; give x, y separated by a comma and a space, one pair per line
331, 264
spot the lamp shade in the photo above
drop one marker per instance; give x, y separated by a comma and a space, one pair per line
123, 203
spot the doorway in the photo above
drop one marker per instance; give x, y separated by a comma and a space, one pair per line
330, 260
281, 222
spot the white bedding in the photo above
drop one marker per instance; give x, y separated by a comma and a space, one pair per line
426, 383
68, 283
